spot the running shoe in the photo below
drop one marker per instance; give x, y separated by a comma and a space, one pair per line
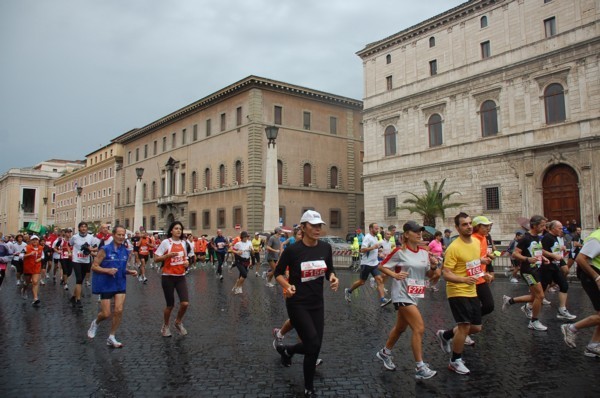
269, 284
537, 325
469, 341
92, 330
445, 345
42, 282
286, 359
546, 302
238, 291
72, 301
87, 283
310, 393
514, 280
221, 278
372, 283
23, 293
66, 286
459, 367
384, 301
36, 303
278, 340
505, 302
387, 360
592, 350
424, 373
18, 282
568, 335
256, 274
527, 311
347, 295
165, 331
112, 341
145, 281
140, 278
182, 330
319, 362
565, 314
264, 275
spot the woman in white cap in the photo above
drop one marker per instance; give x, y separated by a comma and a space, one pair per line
309, 262
242, 251
32, 267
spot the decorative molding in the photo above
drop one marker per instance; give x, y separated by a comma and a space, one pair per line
489, 94
558, 76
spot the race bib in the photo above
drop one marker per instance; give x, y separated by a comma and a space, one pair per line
538, 255
416, 288
220, 245
179, 259
474, 269
311, 270
81, 255
144, 248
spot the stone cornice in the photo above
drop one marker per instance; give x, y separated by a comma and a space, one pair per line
447, 18
234, 89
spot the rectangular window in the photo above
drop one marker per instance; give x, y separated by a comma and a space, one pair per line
173, 140
221, 218
164, 144
282, 215
152, 222
390, 207
486, 50
128, 162
277, 114
208, 127
223, 122
238, 116
332, 125
237, 216
335, 218
492, 198
206, 219
550, 26
183, 136
145, 151
195, 132
433, 67
183, 183
306, 120
193, 219
155, 148
388, 83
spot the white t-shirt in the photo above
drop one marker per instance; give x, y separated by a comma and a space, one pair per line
77, 241
591, 248
244, 247
369, 258
412, 288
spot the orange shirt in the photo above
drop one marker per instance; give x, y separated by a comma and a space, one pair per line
144, 245
175, 265
30, 265
482, 253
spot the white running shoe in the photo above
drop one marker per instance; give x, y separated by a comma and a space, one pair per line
166, 331
459, 367
387, 360
505, 302
568, 335
592, 350
179, 326
424, 373
92, 330
445, 345
564, 313
347, 295
469, 341
527, 311
112, 341
514, 280
546, 302
537, 325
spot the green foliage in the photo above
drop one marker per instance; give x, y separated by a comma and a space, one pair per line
433, 203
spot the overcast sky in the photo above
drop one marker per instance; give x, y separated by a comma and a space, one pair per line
75, 74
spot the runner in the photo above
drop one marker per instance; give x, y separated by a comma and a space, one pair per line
17, 247
32, 267
242, 251
143, 253
220, 245
462, 268
257, 244
173, 254
84, 245
309, 262
408, 265
109, 280
272, 251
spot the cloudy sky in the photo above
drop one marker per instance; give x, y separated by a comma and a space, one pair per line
76, 73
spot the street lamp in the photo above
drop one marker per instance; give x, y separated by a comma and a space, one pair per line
138, 210
44, 211
271, 211
78, 210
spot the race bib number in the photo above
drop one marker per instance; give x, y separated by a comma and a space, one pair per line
416, 288
474, 269
311, 270
179, 259
144, 248
220, 245
538, 255
81, 255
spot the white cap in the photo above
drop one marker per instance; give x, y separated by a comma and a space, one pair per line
312, 217
34, 237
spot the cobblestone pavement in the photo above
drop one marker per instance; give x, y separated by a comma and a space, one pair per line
228, 352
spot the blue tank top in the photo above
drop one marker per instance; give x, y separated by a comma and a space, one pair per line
115, 258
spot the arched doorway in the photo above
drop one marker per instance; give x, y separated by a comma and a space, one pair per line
561, 194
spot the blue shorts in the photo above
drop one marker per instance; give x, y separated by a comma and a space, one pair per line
366, 270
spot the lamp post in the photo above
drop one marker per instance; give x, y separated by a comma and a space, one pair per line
78, 209
44, 218
138, 212
271, 213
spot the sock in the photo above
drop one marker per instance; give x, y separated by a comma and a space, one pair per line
350, 290
448, 334
279, 335
420, 364
455, 356
511, 301
572, 328
386, 351
560, 309
111, 336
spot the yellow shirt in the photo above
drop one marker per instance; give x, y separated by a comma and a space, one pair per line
456, 258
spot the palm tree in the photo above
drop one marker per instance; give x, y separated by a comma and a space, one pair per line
432, 204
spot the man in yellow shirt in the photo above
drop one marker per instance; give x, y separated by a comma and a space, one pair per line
462, 268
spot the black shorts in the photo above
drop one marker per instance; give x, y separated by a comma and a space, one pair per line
80, 270
590, 287
18, 265
66, 266
553, 273
398, 305
367, 270
108, 296
466, 309
144, 257
531, 275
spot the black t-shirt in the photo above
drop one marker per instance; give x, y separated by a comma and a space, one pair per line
135, 241
530, 247
551, 244
308, 266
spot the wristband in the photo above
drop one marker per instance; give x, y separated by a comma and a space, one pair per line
597, 278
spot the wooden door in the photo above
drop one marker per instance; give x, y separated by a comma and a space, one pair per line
561, 194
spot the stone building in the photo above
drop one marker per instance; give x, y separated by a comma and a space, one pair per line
501, 98
204, 163
27, 194
98, 183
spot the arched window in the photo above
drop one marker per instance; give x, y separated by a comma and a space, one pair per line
431, 42
238, 172
489, 118
554, 103
307, 174
194, 181
207, 178
333, 183
388, 59
221, 176
390, 140
279, 172
434, 126
483, 22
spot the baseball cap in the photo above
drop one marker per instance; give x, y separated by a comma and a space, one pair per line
32, 237
311, 217
256, 233
481, 220
412, 226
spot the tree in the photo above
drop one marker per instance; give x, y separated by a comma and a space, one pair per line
432, 204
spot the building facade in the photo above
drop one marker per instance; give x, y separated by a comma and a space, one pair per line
499, 97
98, 183
203, 164
28, 195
